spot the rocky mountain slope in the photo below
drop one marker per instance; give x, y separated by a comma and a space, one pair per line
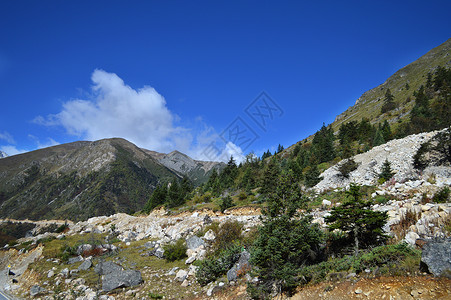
78, 180
399, 153
415, 74
84, 179
197, 171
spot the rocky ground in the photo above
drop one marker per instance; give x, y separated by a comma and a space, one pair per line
134, 244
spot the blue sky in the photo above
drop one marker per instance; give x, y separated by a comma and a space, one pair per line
180, 74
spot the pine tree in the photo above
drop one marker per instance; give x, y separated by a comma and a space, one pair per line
323, 144
389, 103
157, 198
355, 217
386, 171
280, 148
270, 173
386, 131
378, 138
312, 176
175, 196
285, 242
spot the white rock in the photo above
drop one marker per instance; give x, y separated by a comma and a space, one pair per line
326, 202
411, 237
190, 259
209, 235
181, 275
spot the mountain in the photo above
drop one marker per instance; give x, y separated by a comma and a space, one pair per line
3, 154
84, 179
197, 171
402, 85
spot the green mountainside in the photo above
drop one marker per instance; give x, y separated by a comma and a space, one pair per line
402, 85
79, 180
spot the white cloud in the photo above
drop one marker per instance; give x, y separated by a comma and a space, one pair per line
140, 116
12, 150
7, 137
49, 143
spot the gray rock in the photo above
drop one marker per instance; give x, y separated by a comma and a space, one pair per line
119, 279
181, 275
436, 257
76, 259
150, 245
36, 290
65, 272
107, 267
240, 267
159, 252
194, 242
83, 248
85, 265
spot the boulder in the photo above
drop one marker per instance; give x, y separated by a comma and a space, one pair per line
194, 242
76, 259
107, 267
36, 290
118, 279
85, 265
326, 202
181, 275
436, 258
411, 238
210, 235
240, 268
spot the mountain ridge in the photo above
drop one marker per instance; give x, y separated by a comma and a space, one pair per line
82, 179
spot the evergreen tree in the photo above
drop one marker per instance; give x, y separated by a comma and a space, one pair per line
389, 103
378, 138
226, 203
229, 174
157, 198
285, 242
323, 144
386, 131
355, 217
175, 195
266, 154
312, 176
186, 186
270, 173
280, 148
421, 114
386, 171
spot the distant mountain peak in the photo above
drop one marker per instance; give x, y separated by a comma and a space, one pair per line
3, 154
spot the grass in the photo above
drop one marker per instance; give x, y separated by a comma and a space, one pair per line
394, 260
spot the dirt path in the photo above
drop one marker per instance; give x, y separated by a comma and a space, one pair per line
399, 288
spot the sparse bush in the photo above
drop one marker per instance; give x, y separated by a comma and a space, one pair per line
175, 251
441, 196
214, 267
67, 251
400, 229
155, 295
347, 167
242, 195
228, 233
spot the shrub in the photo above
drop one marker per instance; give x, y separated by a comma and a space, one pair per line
441, 196
226, 203
175, 251
347, 167
228, 233
400, 229
214, 267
